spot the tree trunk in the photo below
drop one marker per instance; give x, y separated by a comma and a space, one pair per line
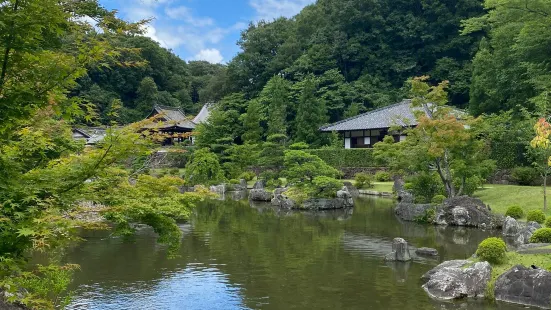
545, 192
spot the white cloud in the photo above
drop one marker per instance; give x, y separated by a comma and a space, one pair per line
165, 39
137, 13
184, 13
270, 9
211, 55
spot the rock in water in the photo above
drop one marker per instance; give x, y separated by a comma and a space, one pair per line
426, 252
467, 211
453, 281
400, 251
260, 184
351, 189
346, 197
260, 195
525, 286
510, 227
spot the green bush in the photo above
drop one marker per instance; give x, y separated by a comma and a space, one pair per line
426, 186
524, 175
299, 146
492, 250
428, 217
325, 187
363, 180
548, 222
438, 199
247, 175
536, 216
339, 158
515, 212
174, 171
542, 235
234, 181
382, 176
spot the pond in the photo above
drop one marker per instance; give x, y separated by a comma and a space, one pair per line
238, 256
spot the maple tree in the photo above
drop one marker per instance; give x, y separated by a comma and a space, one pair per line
541, 151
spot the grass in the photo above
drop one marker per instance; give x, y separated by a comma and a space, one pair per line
378, 186
500, 197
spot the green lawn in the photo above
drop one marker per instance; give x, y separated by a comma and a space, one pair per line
500, 197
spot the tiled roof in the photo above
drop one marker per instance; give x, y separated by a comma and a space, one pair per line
399, 114
173, 117
203, 114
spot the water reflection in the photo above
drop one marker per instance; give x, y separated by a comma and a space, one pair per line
237, 256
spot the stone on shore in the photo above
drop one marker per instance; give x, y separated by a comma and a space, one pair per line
351, 189
451, 280
260, 184
526, 233
525, 286
426, 252
400, 251
467, 211
511, 227
260, 195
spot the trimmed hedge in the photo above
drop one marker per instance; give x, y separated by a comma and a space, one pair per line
536, 216
515, 212
542, 235
492, 250
340, 158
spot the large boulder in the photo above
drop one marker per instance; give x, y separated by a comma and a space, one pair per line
279, 199
218, 189
260, 195
345, 195
510, 227
453, 281
456, 263
467, 211
351, 189
412, 211
400, 251
260, 184
525, 286
523, 237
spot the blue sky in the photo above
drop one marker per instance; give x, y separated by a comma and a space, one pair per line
202, 29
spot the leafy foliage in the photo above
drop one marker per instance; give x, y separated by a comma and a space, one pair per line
204, 169
301, 167
363, 180
492, 250
542, 235
515, 212
535, 216
524, 175
382, 176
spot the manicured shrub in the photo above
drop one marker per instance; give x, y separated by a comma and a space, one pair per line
524, 175
247, 175
299, 146
515, 212
363, 180
536, 216
325, 187
426, 185
338, 158
382, 176
438, 199
542, 235
548, 222
492, 250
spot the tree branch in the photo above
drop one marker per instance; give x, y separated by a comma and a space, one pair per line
9, 43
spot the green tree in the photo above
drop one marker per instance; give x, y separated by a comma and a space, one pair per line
302, 167
275, 97
251, 123
148, 96
204, 169
311, 114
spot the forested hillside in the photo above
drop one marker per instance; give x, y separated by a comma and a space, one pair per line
152, 75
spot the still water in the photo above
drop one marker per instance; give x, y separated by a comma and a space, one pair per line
238, 256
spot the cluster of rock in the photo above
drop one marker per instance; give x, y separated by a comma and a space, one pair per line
278, 198
400, 251
457, 279
456, 211
518, 233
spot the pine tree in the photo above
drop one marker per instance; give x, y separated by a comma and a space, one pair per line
275, 96
251, 123
311, 114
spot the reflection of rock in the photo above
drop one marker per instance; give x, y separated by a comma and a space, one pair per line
525, 286
426, 252
400, 270
450, 280
460, 236
510, 227
400, 251
526, 233
237, 195
260, 195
